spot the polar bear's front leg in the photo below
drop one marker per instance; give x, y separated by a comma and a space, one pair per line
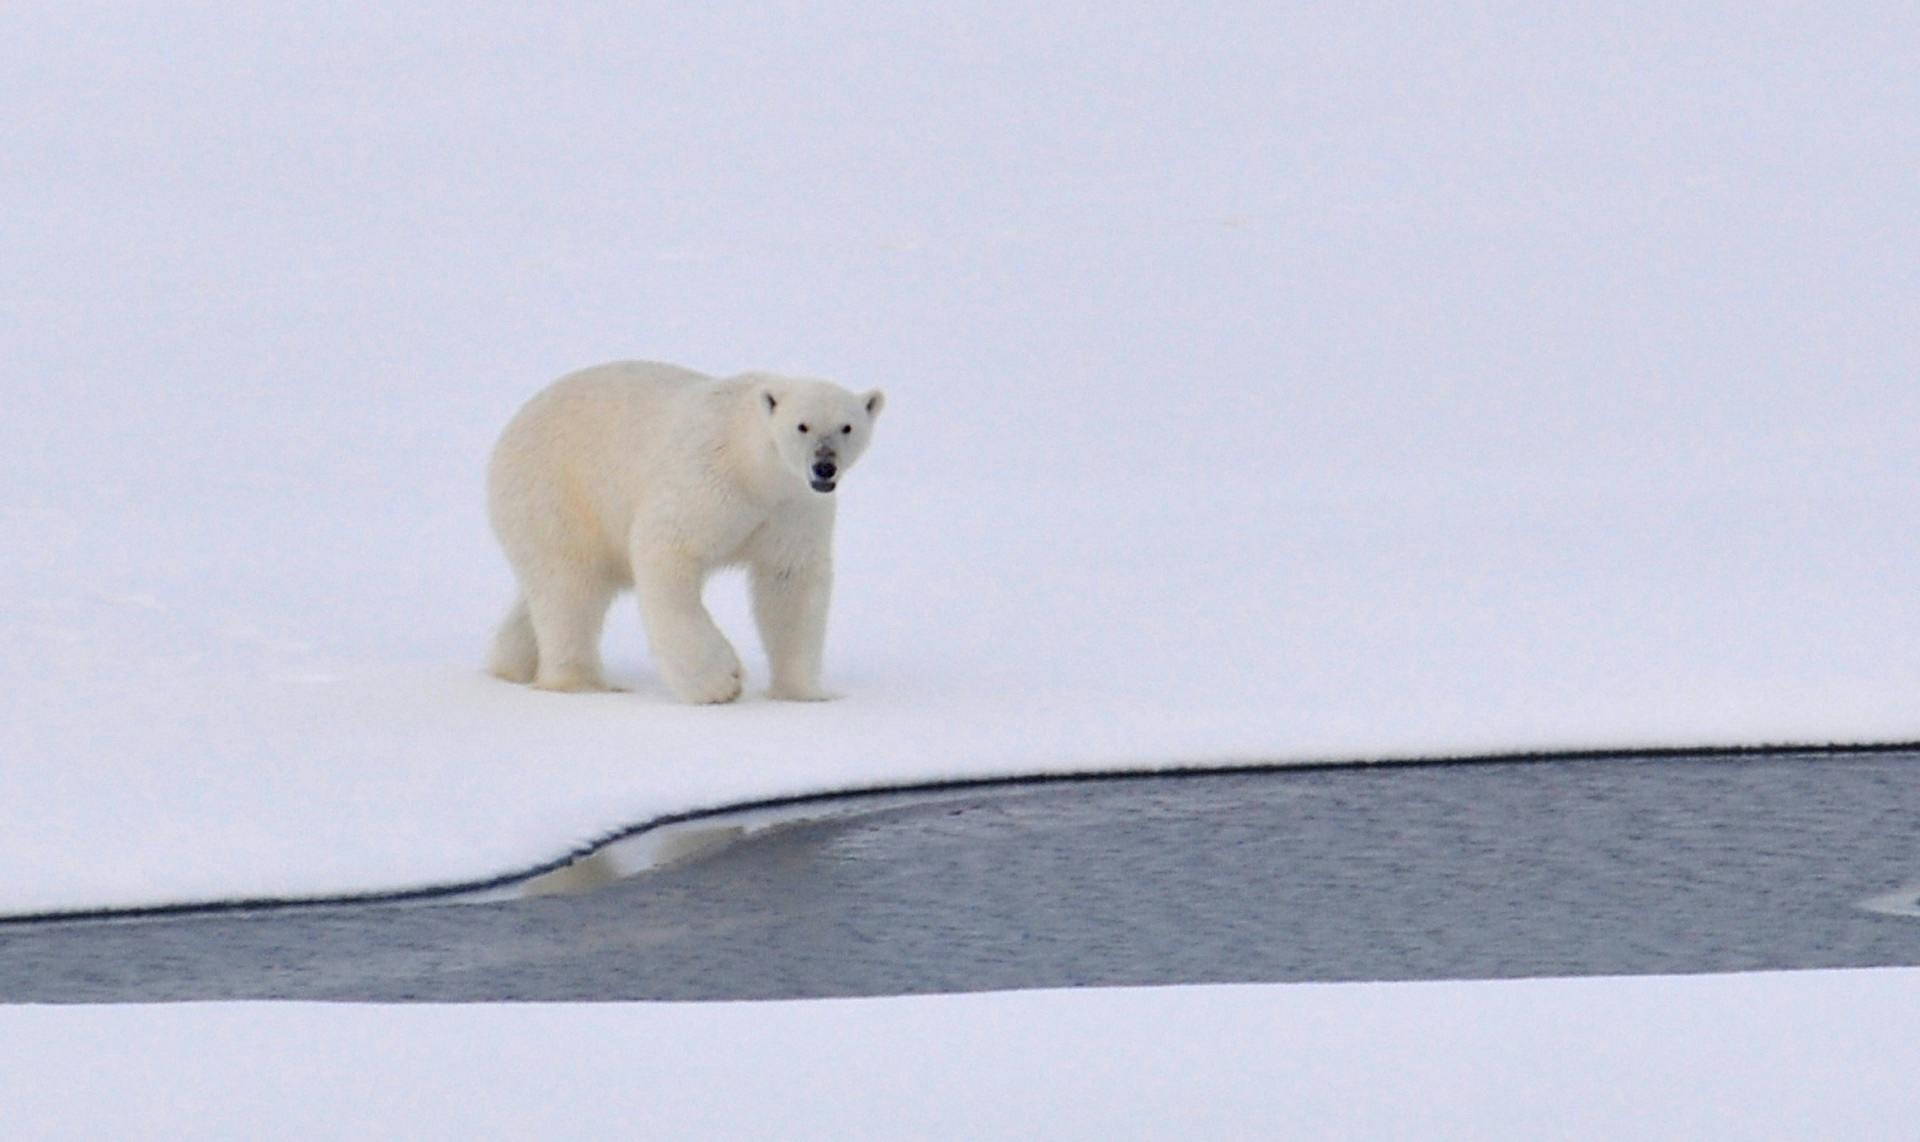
790, 606
693, 656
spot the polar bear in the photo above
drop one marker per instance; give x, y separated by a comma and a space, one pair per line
644, 475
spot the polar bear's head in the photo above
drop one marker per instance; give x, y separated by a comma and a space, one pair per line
819, 429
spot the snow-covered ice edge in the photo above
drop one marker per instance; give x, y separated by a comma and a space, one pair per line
673, 837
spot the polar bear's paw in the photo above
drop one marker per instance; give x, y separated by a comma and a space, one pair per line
716, 678
572, 682
711, 689
791, 692
508, 670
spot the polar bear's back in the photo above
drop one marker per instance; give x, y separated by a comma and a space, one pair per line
624, 390
620, 378
571, 463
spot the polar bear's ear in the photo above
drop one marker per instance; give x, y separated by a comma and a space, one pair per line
876, 400
767, 398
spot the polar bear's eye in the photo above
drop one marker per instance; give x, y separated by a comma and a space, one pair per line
846, 430
803, 428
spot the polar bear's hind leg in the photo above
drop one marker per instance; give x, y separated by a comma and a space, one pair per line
516, 656
565, 609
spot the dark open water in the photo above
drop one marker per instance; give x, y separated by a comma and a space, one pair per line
1402, 872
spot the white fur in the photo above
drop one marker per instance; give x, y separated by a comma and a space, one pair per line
652, 476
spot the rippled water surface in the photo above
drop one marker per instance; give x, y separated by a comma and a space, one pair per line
1414, 872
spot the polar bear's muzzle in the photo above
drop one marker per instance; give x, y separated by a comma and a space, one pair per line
824, 475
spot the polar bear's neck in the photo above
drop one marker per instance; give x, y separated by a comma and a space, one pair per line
747, 457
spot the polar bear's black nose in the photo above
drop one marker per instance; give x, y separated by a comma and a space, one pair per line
825, 470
